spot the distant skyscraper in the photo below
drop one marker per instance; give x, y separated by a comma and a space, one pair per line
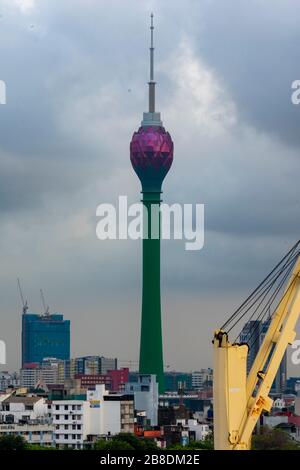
253, 334
44, 336
93, 365
151, 155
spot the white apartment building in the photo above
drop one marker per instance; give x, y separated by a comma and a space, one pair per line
201, 430
23, 409
70, 422
33, 433
30, 377
50, 371
77, 422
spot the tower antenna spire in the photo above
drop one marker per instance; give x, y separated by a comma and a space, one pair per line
151, 82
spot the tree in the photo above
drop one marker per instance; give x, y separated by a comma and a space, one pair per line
116, 444
12, 442
206, 444
113, 444
125, 441
273, 439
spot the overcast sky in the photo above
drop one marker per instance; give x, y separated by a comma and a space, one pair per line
76, 73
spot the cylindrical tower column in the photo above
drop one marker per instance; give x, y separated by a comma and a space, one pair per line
151, 350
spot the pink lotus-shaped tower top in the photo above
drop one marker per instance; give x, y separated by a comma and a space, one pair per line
151, 155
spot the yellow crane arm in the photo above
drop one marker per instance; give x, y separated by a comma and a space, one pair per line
239, 400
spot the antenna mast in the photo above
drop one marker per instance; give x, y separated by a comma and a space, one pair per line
151, 82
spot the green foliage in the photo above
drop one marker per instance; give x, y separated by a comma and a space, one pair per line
38, 447
273, 439
206, 444
125, 441
116, 444
12, 442
100, 444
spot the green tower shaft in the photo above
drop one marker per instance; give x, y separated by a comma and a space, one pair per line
151, 349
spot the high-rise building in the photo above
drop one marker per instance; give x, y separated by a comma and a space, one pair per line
44, 336
202, 378
151, 155
94, 365
253, 333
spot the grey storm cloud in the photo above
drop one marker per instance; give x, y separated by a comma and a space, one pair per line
76, 74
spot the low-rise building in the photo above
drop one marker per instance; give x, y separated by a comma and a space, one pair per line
33, 433
8, 380
23, 409
82, 420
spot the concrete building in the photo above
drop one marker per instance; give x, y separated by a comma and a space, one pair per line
78, 422
49, 371
70, 423
8, 380
199, 430
114, 380
94, 365
33, 433
145, 392
30, 375
23, 409
201, 378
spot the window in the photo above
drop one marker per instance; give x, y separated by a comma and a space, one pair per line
56, 416
73, 426
66, 436
56, 436
57, 407
73, 407
79, 427
66, 416
73, 436
66, 426
66, 407
78, 436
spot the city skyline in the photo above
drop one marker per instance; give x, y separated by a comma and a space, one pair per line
71, 87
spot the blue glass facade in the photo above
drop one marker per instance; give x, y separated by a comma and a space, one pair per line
45, 336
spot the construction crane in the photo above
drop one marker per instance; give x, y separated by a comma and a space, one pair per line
24, 303
45, 307
240, 398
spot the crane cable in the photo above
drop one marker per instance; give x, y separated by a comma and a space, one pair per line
285, 266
